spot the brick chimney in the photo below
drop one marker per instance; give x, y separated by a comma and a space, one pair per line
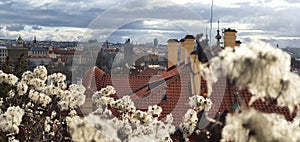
189, 42
229, 37
172, 52
182, 51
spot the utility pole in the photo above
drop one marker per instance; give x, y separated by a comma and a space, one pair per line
211, 20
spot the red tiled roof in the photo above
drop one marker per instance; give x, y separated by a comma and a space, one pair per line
39, 56
148, 72
174, 84
92, 80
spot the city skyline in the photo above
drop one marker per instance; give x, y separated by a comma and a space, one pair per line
268, 20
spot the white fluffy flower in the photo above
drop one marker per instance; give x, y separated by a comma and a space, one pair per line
27, 76
22, 88
82, 130
12, 79
51, 90
200, 103
155, 110
262, 69
34, 96
255, 126
125, 104
57, 78
53, 114
63, 105
8, 78
11, 119
44, 100
37, 83
40, 72
1, 102
189, 123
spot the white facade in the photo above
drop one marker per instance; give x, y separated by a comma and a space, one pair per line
3, 53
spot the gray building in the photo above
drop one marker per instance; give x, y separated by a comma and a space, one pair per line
3, 53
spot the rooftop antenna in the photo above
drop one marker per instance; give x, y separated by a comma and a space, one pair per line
211, 19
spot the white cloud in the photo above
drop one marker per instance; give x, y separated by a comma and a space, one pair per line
252, 18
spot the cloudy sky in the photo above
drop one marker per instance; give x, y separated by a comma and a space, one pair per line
273, 21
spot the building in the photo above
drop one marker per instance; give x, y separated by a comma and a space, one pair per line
128, 53
38, 51
155, 43
17, 50
38, 56
15, 53
105, 59
3, 53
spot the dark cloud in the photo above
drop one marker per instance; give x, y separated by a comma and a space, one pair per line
152, 25
13, 13
15, 27
36, 28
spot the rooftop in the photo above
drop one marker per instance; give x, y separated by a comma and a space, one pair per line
230, 30
171, 90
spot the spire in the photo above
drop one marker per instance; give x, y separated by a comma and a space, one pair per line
211, 20
34, 39
20, 38
218, 36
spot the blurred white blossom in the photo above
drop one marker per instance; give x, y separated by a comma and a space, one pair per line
252, 125
262, 69
11, 119
200, 103
190, 122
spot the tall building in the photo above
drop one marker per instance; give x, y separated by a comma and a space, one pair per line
128, 52
3, 53
155, 43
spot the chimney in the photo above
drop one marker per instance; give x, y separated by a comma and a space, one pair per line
189, 43
229, 37
238, 43
182, 51
195, 75
172, 52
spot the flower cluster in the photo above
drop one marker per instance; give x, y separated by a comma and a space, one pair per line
252, 125
39, 98
39, 102
264, 70
200, 103
11, 119
8, 78
133, 124
82, 130
190, 122
101, 98
69, 99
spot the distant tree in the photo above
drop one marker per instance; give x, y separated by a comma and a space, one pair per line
17, 69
